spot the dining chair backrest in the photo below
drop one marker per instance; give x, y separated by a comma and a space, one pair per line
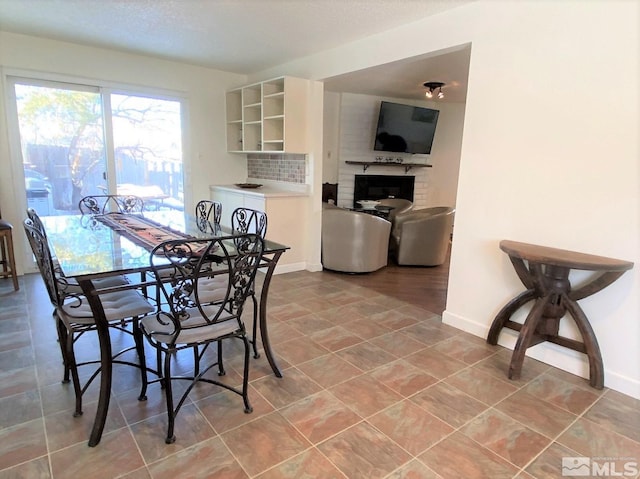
44, 260
190, 265
247, 220
101, 204
32, 214
208, 214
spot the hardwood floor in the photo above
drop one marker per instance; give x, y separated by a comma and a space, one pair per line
423, 286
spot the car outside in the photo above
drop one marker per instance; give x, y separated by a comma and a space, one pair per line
36, 181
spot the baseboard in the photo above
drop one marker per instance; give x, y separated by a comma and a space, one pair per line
562, 358
293, 267
290, 268
314, 267
465, 324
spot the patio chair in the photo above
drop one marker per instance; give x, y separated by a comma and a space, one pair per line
187, 319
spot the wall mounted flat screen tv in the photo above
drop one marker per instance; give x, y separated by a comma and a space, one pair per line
405, 128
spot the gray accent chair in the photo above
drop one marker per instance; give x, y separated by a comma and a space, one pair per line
421, 237
399, 205
354, 242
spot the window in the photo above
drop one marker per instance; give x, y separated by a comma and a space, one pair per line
79, 140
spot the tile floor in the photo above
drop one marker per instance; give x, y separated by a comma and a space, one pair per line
373, 388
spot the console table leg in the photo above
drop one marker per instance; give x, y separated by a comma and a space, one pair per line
592, 349
505, 313
524, 338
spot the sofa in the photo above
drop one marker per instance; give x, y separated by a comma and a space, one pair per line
353, 242
422, 237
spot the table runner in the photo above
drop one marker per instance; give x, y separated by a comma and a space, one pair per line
140, 230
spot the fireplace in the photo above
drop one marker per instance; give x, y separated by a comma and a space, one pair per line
376, 187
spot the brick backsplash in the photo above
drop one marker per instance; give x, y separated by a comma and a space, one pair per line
279, 167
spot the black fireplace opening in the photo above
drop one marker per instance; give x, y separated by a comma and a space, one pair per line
377, 187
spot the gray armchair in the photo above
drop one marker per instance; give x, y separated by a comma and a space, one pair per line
400, 206
421, 237
354, 242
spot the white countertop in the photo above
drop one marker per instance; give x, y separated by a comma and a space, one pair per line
268, 189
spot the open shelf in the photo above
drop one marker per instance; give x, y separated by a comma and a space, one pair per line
406, 166
268, 116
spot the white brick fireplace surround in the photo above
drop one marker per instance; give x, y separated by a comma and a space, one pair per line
434, 186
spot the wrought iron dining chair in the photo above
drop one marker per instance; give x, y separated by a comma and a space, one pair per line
101, 204
187, 319
70, 285
74, 316
208, 213
247, 220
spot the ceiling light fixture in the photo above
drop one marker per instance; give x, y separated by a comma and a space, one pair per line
432, 87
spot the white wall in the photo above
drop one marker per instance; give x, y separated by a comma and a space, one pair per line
435, 186
549, 153
206, 160
330, 137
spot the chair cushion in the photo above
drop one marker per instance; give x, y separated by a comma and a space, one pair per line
196, 330
117, 306
71, 286
213, 289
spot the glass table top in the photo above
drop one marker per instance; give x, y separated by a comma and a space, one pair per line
85, 246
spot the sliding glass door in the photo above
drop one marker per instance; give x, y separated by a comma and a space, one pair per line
147, 147
78, 140
62, 144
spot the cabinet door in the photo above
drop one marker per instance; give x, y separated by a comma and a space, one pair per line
254, 203
230, 201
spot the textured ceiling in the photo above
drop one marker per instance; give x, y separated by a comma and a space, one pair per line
241, 36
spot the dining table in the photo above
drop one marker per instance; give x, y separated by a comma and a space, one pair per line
89, 247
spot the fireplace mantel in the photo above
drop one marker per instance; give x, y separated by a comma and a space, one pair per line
407, 166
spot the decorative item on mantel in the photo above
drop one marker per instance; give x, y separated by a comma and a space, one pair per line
388, 159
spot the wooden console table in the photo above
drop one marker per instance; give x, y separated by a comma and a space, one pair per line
545, 276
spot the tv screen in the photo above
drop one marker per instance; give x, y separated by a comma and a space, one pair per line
405, 128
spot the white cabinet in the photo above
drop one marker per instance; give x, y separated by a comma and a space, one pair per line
230, 201
269, 116
286, 217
